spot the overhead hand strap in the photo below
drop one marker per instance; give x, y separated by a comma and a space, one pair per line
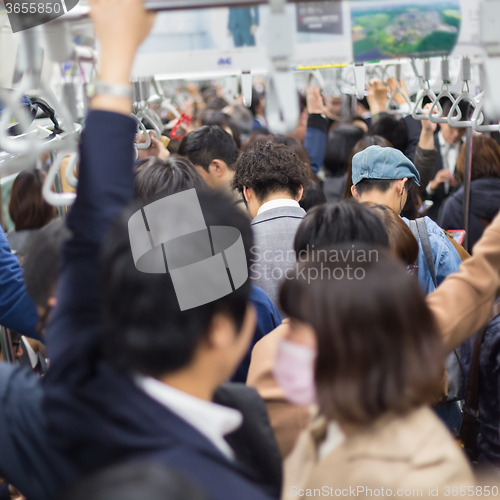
282, 105
142, 127
444, 94
398, 90
246, 87
454, 118
478, 117
360, 79
418, 112
53, 198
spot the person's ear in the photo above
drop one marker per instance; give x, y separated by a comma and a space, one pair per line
354, 192
247, 194
218, 167
401, 183
221, 332
299, 194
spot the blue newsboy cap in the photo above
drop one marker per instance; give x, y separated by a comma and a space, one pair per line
376, 162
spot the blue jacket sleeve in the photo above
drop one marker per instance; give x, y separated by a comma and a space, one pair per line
105, 187
17, 310
315, 140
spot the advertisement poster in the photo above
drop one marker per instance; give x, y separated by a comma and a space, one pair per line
390, 29
220, 41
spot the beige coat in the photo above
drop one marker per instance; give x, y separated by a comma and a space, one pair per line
461, 305
411, 452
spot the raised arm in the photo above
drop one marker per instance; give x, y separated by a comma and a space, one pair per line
17, 310
317, 129
463, 302
105, 183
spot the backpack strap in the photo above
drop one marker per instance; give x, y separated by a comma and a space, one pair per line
468, 430
426, 247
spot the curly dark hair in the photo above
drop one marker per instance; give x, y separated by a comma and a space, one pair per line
268, 167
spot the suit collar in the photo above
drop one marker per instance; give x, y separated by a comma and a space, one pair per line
278, 212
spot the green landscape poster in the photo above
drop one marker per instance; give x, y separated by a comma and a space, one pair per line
392, 29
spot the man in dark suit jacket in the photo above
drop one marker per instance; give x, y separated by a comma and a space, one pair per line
132, 376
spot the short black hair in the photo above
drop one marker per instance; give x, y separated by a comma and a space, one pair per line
268, 167
340, 143
169, 176
219, 118
463, 106
382, 185
344, 222
209, 143
42, 262
144, 328
393, 129
135, 481
314, 196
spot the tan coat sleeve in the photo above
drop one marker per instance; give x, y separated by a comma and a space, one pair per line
463, 302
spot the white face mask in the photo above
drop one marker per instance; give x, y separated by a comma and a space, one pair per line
294, 372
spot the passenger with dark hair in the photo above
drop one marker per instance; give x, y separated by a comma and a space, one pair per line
213, 153
27, 209
258, 109
447, 141
485, 190
177, 174
272, 179
324, 225
241, 116
361, 145
339, 145
384, 176
401, 240
220, 119
364, 347
295, 145
314, 196
135, 481
132, 374
392, 129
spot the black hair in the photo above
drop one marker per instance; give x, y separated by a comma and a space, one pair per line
212, 117
145, 330
169, 176
341, 140
463, 106
269, 168
256, 97
393, 129
135, 481
382, 185
209, 143
313, 197
42, 262
344, 222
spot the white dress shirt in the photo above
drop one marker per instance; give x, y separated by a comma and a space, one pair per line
210, 419
449, 154
285, 202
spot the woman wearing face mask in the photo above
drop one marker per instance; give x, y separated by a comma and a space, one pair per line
363, 346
